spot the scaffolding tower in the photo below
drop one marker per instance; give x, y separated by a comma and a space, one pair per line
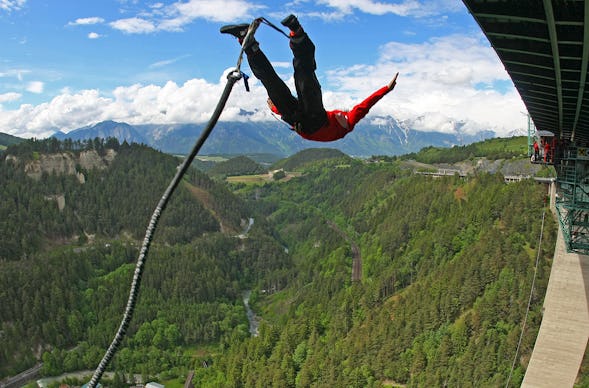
572, 201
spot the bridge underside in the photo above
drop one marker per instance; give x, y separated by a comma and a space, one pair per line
544, 46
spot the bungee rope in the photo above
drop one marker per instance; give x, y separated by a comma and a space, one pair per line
232, 78
521, 335
267, 22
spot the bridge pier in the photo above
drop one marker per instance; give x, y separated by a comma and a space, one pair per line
562, 339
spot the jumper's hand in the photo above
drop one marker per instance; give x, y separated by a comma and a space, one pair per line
271, 105
393, 82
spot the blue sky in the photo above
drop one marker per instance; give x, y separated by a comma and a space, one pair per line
65, 64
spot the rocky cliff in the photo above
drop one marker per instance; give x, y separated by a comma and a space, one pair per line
62, 163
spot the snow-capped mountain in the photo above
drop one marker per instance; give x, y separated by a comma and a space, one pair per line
379, 136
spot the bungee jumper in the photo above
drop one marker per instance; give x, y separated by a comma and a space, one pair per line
305, 114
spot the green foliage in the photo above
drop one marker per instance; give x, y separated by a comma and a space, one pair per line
56, 297
280, 174
240, 165
583, 378
307, 157
8, 140
112, 203
496, 148
190, 294
447, 272
446, 269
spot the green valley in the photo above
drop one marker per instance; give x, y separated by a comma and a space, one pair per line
446, 269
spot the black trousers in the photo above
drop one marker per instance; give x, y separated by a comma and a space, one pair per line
305, 113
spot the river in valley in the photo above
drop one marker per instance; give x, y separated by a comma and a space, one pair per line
252, 318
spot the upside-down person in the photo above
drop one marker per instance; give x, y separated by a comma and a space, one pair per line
305, 114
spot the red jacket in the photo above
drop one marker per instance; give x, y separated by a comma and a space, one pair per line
340, 123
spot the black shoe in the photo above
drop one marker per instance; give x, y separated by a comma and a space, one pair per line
237, 30
291, 22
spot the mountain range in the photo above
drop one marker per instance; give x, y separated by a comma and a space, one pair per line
391, 138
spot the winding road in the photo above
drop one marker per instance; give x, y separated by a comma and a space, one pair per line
356, 256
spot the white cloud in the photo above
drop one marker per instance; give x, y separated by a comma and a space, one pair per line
17, 73
7, 97
66, 111
12, 5
94, 35
177, 15
192, 102
438, 90
166, 62
439, 82
373, 7
86, 21
35, 87
338, 9
215, 10
134, 25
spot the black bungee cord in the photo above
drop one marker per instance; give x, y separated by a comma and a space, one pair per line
234, 76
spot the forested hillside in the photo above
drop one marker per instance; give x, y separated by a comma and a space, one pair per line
7, 140
308, 157
111, 203
446, 269
65, 274
240, 165
496, 148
